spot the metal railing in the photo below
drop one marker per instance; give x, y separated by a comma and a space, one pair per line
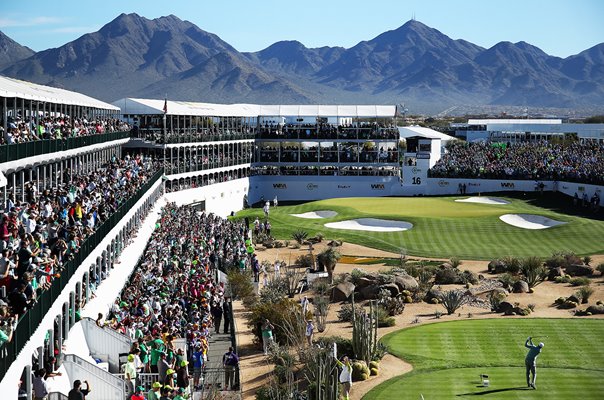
57, 396
12, 152
29, 322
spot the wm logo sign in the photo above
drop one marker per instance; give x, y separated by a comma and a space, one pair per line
279, 186
378, 186
507, 185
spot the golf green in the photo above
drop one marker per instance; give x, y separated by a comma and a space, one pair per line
448, 358
443, 227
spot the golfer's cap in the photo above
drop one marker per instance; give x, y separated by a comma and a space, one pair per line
541, 344
130, 357
156, 385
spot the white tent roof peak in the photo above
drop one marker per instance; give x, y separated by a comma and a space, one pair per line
10, 87
134, 106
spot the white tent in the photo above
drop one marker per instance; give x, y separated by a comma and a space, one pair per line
412, 131
11, 88
132, 106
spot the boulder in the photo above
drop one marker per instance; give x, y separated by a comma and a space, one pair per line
596, 309
520, 287
579, 270
445, 265
554, 273
335, 243
365, 281
505, 307
496, 267
500, 291
370, 292
433, 294
573, 298
342, 291
406, 282
392, 288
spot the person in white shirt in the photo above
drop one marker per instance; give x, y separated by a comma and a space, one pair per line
310, 330
345, 376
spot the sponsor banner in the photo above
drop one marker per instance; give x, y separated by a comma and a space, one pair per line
279, 185
378, 186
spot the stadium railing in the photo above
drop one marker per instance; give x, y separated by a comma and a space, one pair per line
28, 323
12, 152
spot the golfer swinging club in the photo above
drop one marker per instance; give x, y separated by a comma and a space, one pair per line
531, 361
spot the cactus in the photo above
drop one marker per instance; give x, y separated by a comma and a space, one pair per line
323, 373
364, 333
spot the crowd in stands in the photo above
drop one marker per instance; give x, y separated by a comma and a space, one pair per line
326, 171
349, 154
576, 162
173, 294
39, 235
21, 130
360, 130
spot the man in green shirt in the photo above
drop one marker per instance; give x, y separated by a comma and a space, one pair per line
154, 392
531, 361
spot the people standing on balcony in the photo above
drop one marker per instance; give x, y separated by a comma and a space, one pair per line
39, 385
77, 393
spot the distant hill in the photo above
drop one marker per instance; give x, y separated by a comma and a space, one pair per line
11, 51
134, 56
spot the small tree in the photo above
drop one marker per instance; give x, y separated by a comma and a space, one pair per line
321, 304
452, 300
533, 270
300, 236
329, 258
584, 293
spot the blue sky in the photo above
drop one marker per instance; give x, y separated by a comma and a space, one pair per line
559, 27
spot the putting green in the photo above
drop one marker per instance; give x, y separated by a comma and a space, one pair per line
448, 358
443, 227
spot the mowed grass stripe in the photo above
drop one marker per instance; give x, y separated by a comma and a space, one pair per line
448, 358
443, 227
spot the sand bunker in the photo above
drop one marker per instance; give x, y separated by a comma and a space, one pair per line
530, 221
371, 224
316, 214
483, 200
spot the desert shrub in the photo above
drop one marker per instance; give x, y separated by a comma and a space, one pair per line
495, 299
274, 291
299, 236
580, 281
392, 305
447, 276
424, 276
452, 300
469, 277
384, 319
587, 260
600, 268
321, 287
296, 245
584, 293
455, 262
286, 243
412, 270
507, 280
343, 345
356, 274
531, 307
281, 314
562, 260
305, 261
512, 264
533, 270
240, 284
319, 236
562, 279
345, 313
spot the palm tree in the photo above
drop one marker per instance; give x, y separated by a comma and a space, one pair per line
329, 258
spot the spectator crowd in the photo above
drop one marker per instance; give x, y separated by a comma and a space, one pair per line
174, 294
45, 128
576, 161
39, 235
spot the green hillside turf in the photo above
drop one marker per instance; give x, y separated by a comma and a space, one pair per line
443, 227
449, 357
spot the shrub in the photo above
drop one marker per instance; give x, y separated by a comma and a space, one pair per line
300, 236
424, 276
455, 262
531, 307
584, 293
469, 277
384, 319
495, 299
274, 291
356, 274
512, 264
533, 270
345, 313
562, 260
321, 287
285, 312
392, 305
562, 279
305, 261
600, 268
507, 280
452, 300
343, 345
587, 260
447, 276
240, 285
581, 281
286, 243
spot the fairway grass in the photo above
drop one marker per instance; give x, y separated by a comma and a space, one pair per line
448, 358
443, 227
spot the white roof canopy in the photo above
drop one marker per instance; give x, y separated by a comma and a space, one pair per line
10, 87
411, 131
153, 107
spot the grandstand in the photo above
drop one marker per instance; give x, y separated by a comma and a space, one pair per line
94, 177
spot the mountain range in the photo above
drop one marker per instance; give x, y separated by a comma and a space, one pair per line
133, 56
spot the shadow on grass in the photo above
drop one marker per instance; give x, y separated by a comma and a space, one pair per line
493, 391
